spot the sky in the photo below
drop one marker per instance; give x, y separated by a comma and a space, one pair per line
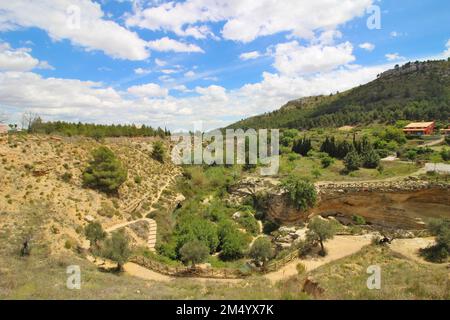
190, 63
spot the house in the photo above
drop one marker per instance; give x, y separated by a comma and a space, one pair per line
446, 131
419, 128
4, 129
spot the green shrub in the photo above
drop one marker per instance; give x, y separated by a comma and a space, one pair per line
358, 220
194, 252
326, 161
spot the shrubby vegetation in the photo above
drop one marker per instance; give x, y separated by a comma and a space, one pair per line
261, 250
301, 192
440, 228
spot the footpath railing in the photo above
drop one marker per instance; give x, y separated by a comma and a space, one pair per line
188, 271
214, 273
277, 264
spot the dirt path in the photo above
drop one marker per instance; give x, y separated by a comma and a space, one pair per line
433, 143
339, 247
410, 247
151, 241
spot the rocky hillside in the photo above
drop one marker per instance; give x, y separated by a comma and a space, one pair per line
414, 91
40, 178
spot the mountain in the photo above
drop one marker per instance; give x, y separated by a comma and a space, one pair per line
414, 91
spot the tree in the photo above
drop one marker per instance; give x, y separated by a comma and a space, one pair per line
158, 152
371, 159
440, 228
194, 252
105, 172
117, 249
321, 230
261, 250
94, 233
301, 192
232, 242
352, 161
302, 146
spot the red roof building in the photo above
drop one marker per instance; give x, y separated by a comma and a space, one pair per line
419, 128
4, 129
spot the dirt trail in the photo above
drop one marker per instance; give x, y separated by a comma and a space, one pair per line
151, 241
339, 247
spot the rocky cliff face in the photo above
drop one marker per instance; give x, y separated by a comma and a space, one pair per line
404, 205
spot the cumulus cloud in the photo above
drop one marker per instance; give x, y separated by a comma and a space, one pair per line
19, 59
75, 100
148, 90
60, 20
166, 44
249, 55
367, 46
293, 59
247, 20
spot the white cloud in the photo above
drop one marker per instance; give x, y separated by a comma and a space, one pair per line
169, 71
16, 59
248, 20
59, 20
394, 57
148, 90
250, 55
166, 44
212, 93
44, 65
19, 59
142, 71
75, 100
293, 59
160, 63
189, 74
395, 34
181, 88
367, 46
447, 52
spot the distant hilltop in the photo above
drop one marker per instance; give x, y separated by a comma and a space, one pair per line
414, 91
411, 67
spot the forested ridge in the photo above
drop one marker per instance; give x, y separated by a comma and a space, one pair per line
414, 91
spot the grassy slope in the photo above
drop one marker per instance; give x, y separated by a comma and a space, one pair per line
400, 278
416, 96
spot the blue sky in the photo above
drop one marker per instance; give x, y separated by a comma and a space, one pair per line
216, 61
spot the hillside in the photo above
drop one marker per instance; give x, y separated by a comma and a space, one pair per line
42, 174
414, 91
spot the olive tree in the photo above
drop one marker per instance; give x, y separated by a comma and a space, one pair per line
321, 230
